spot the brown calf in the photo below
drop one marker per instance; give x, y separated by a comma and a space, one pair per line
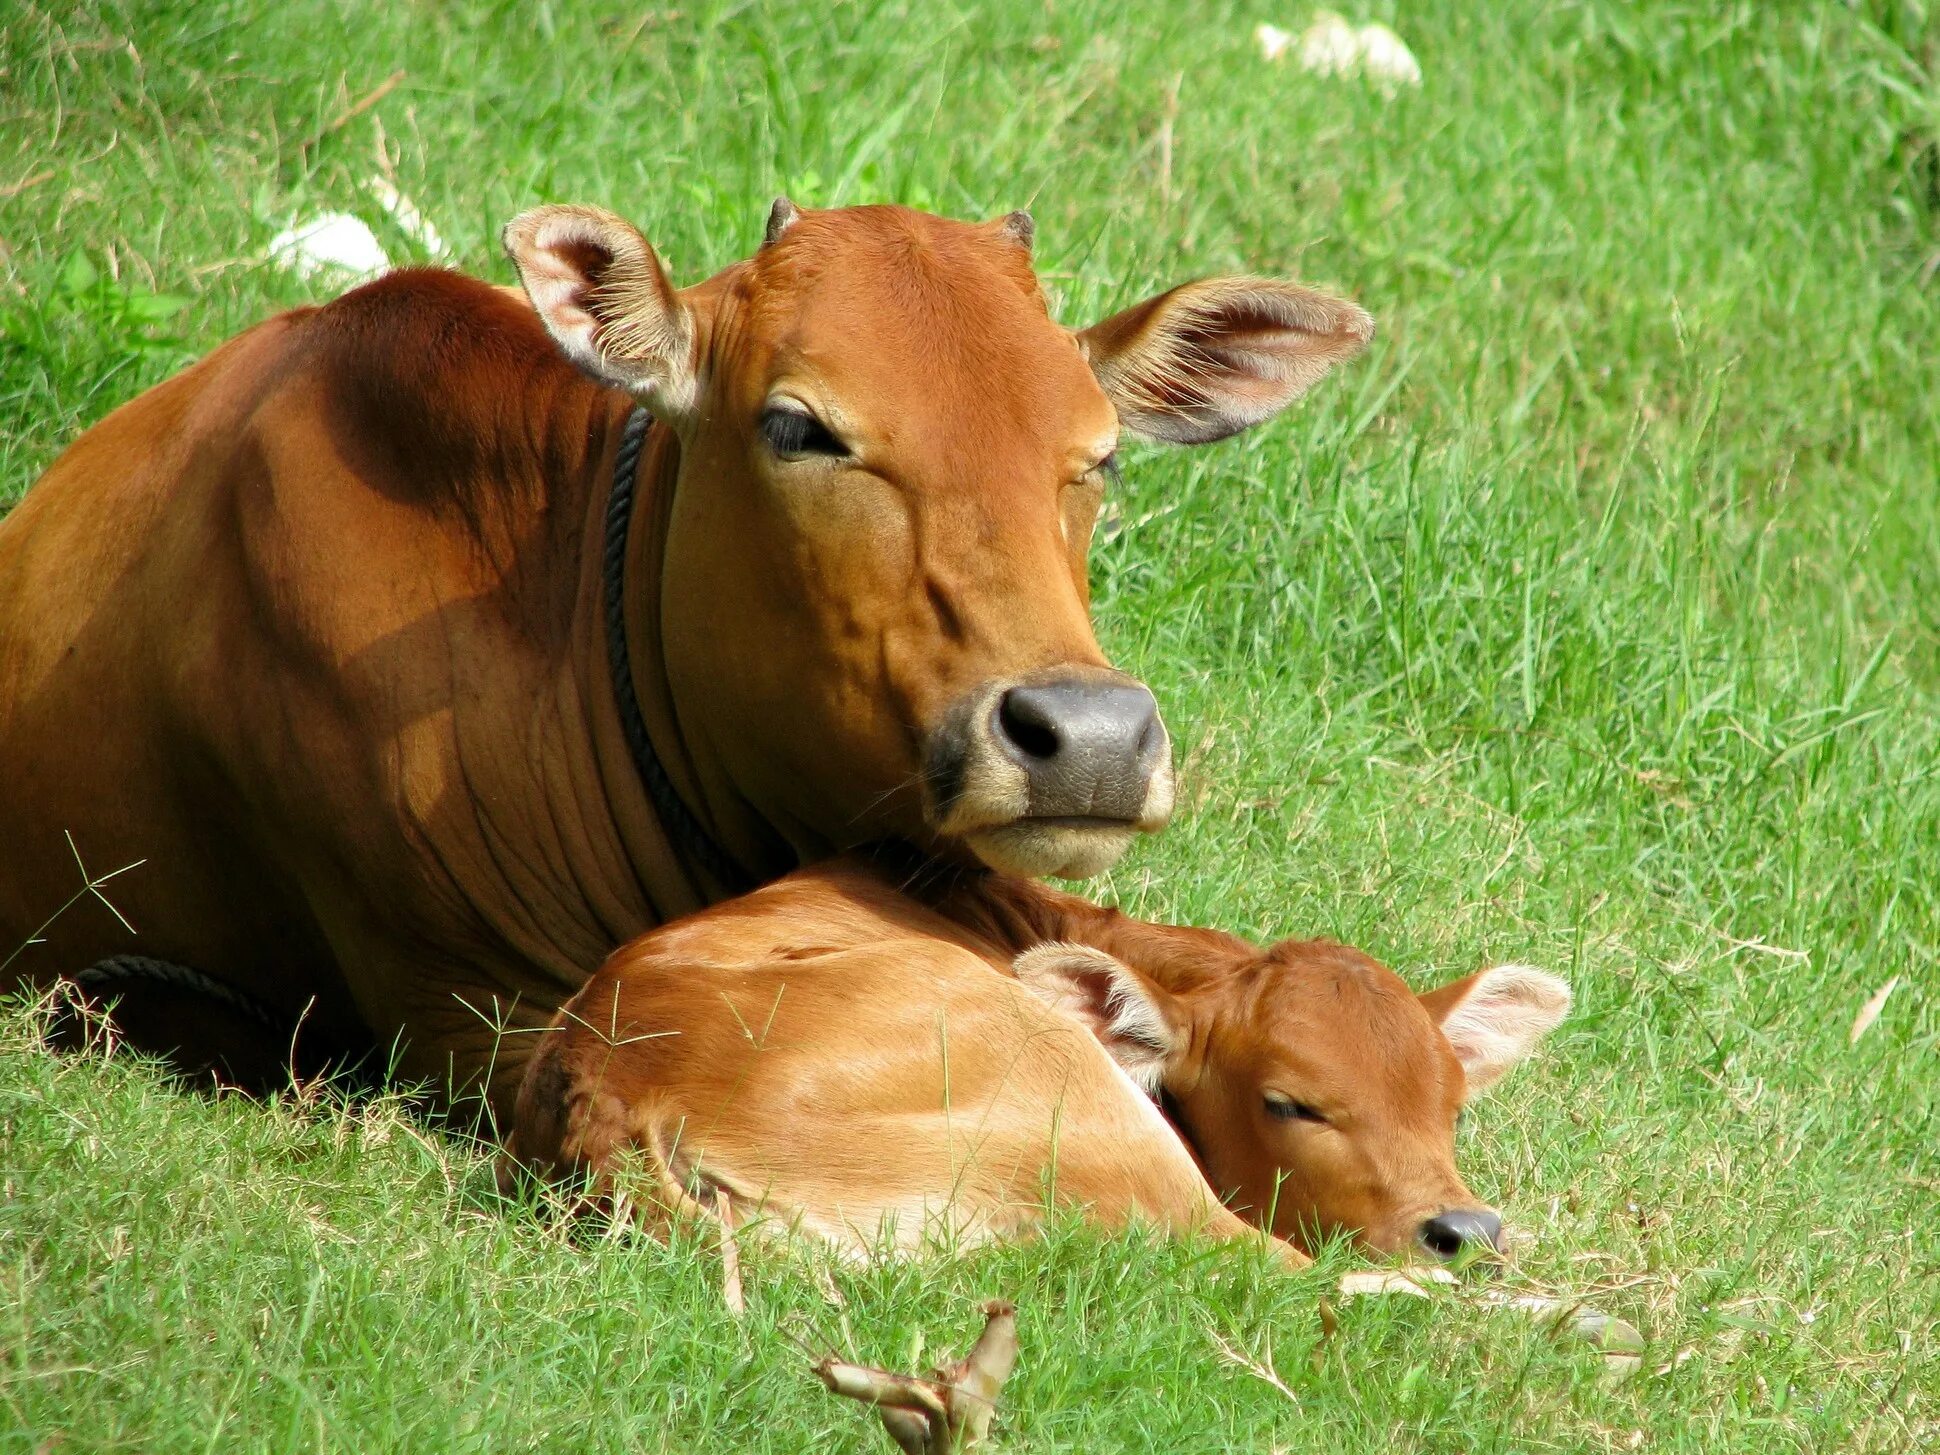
846, 1051
324, 631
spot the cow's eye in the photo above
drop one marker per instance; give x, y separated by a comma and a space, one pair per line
1286, 1109
1108, 467
795, 433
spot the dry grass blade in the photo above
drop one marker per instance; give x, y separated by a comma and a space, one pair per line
1261, 1368
731, 1294
14, 189
90, 885
363, 103
1869, 1012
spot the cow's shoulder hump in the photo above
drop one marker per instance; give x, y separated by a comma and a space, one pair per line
422, 333
456, 387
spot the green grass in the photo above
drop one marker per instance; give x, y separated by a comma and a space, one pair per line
1593, 620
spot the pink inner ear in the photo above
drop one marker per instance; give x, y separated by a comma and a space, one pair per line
583, 256
1074, 979
1094, 991
1211, 358
1498, 1016
1108, 998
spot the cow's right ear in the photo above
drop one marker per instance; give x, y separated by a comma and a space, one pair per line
1497, 1016
1141, 1025
1208, 359
607, 301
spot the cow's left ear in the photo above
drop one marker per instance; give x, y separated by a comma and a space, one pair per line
1210, 358
1138, 1023
607, 302
1497, 1016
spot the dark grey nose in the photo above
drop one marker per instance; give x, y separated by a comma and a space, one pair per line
1088, 748
1449, 1233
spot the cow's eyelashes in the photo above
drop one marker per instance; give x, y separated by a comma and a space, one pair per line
795, 433
1108, 467
1286, 1109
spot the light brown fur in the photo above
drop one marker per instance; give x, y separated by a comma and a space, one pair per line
847, 1047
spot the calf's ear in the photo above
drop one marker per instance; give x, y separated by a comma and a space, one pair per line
1141, 1025
1210, 358
1497, 1016
606, 300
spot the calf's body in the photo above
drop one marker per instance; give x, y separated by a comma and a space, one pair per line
781, 1083
863, 1045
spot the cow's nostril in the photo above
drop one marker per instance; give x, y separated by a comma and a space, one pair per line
1447, 1234
1089, 745
1025, 718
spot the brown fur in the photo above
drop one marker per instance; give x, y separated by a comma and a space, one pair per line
873, 1086
313, 630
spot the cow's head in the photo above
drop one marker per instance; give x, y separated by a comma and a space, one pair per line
1318, 1091
875, 613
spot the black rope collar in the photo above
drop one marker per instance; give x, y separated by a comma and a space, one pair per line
691, 839
119, 969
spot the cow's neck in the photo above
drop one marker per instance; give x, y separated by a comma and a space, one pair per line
670, 859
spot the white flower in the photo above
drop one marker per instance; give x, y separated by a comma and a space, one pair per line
1332, 46
336, 241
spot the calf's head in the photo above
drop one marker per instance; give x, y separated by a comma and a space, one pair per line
1319, 1093
874, 607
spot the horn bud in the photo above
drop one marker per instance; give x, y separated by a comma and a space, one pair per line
782, 216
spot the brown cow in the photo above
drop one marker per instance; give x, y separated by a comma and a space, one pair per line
353, 635
844, 1051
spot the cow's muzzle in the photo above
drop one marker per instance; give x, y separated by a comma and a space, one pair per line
1462, 1230
1053, 773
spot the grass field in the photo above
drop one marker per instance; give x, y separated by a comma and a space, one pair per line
1593, 620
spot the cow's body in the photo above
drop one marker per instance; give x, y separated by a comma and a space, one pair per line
869, 1043
319, 649
315, 631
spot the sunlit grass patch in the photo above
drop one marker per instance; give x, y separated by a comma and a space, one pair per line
1591, 621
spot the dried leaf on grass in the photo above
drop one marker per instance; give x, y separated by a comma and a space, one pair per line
1334, 46
1375, 1281
1617, 1340
410, 220
335, 241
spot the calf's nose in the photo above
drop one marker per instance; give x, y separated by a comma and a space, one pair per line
1088, 749
1450, 1233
